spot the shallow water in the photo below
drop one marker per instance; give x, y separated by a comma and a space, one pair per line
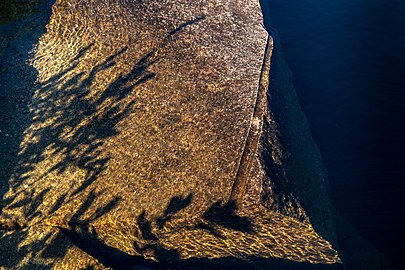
347, 60
110, 135
348, 65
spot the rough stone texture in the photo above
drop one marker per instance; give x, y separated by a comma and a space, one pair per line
161, 106
294, 178
141, 114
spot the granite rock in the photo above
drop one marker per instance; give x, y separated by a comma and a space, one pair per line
155, 140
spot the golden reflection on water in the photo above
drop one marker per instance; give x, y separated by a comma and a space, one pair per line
139, 120
255, 231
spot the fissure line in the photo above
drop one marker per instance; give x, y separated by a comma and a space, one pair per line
252, 140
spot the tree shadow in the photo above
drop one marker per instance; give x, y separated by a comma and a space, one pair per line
50, 244
86, 238
176, 204
184, 25
72, 107
85, 143
219, 214
224, 214
18, 35
81, 123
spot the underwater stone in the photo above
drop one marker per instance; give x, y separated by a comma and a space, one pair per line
153, 142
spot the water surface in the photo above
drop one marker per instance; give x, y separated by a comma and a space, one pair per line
347, 59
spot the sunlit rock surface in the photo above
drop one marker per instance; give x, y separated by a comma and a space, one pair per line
148, 143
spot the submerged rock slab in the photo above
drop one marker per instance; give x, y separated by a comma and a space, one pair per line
250, 239
147, 119
142, 99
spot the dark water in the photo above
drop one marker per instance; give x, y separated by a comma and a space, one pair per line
348, 61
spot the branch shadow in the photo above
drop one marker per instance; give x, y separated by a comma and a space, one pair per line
17, 78
176, 204
81, 123
224, 214
87, 239
90, 122
51, 244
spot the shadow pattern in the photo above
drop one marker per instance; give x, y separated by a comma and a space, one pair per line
50, 244
88, 121
72, 123
80, 124
86, 238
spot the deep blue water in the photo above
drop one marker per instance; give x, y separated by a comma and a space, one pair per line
348, 63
